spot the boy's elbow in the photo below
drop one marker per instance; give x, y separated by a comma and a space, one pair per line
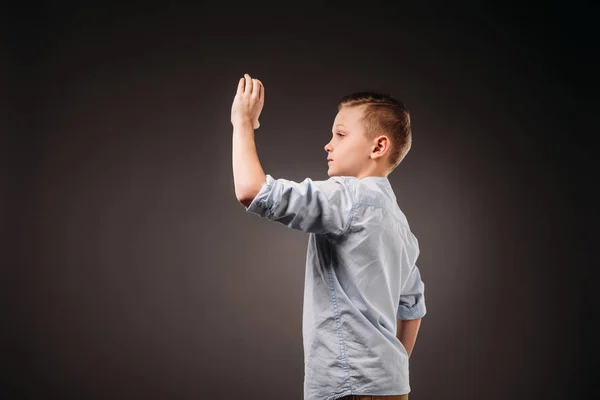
246, 197
246, 201
248, 194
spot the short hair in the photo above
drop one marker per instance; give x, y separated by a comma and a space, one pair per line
386, 115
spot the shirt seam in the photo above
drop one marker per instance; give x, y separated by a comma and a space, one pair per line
340, 334
352, 212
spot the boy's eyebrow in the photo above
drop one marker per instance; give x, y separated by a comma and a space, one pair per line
340, 125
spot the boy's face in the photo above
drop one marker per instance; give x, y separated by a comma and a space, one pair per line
348, 148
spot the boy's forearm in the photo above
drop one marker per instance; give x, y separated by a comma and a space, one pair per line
248, 175
407, 331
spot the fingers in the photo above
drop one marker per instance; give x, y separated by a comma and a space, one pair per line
257, 88
248, 88
261, 96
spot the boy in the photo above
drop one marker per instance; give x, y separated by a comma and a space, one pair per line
363, 294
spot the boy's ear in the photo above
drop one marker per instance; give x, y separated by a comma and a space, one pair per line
382, 144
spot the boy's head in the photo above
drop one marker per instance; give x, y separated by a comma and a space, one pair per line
371, 135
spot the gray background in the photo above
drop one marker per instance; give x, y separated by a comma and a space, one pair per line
133, 272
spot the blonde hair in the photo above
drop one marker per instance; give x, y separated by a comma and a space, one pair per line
385, 115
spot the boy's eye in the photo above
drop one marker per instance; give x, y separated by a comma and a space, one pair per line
339, 134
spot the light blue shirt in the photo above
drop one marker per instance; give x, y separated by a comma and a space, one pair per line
360, 276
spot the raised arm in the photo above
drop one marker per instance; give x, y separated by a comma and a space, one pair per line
248, 174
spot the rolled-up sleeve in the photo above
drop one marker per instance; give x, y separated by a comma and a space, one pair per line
309, 206
412, 297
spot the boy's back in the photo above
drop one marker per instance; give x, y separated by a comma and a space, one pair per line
360, 277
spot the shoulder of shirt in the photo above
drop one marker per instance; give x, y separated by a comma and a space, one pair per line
351, 183
374, 198
372, 194
349, 180
354, 182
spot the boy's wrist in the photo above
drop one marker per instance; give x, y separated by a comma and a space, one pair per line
241, 121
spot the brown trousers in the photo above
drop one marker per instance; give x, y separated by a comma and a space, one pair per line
367, 397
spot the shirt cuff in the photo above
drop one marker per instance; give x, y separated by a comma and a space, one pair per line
406, 312
261, 204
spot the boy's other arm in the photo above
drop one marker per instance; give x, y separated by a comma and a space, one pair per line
407, 331
248, 175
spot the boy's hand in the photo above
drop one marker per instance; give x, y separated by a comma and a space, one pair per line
248, 101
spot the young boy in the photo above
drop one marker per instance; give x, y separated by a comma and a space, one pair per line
363, 294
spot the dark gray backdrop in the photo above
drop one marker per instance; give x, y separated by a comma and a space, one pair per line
133, 272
